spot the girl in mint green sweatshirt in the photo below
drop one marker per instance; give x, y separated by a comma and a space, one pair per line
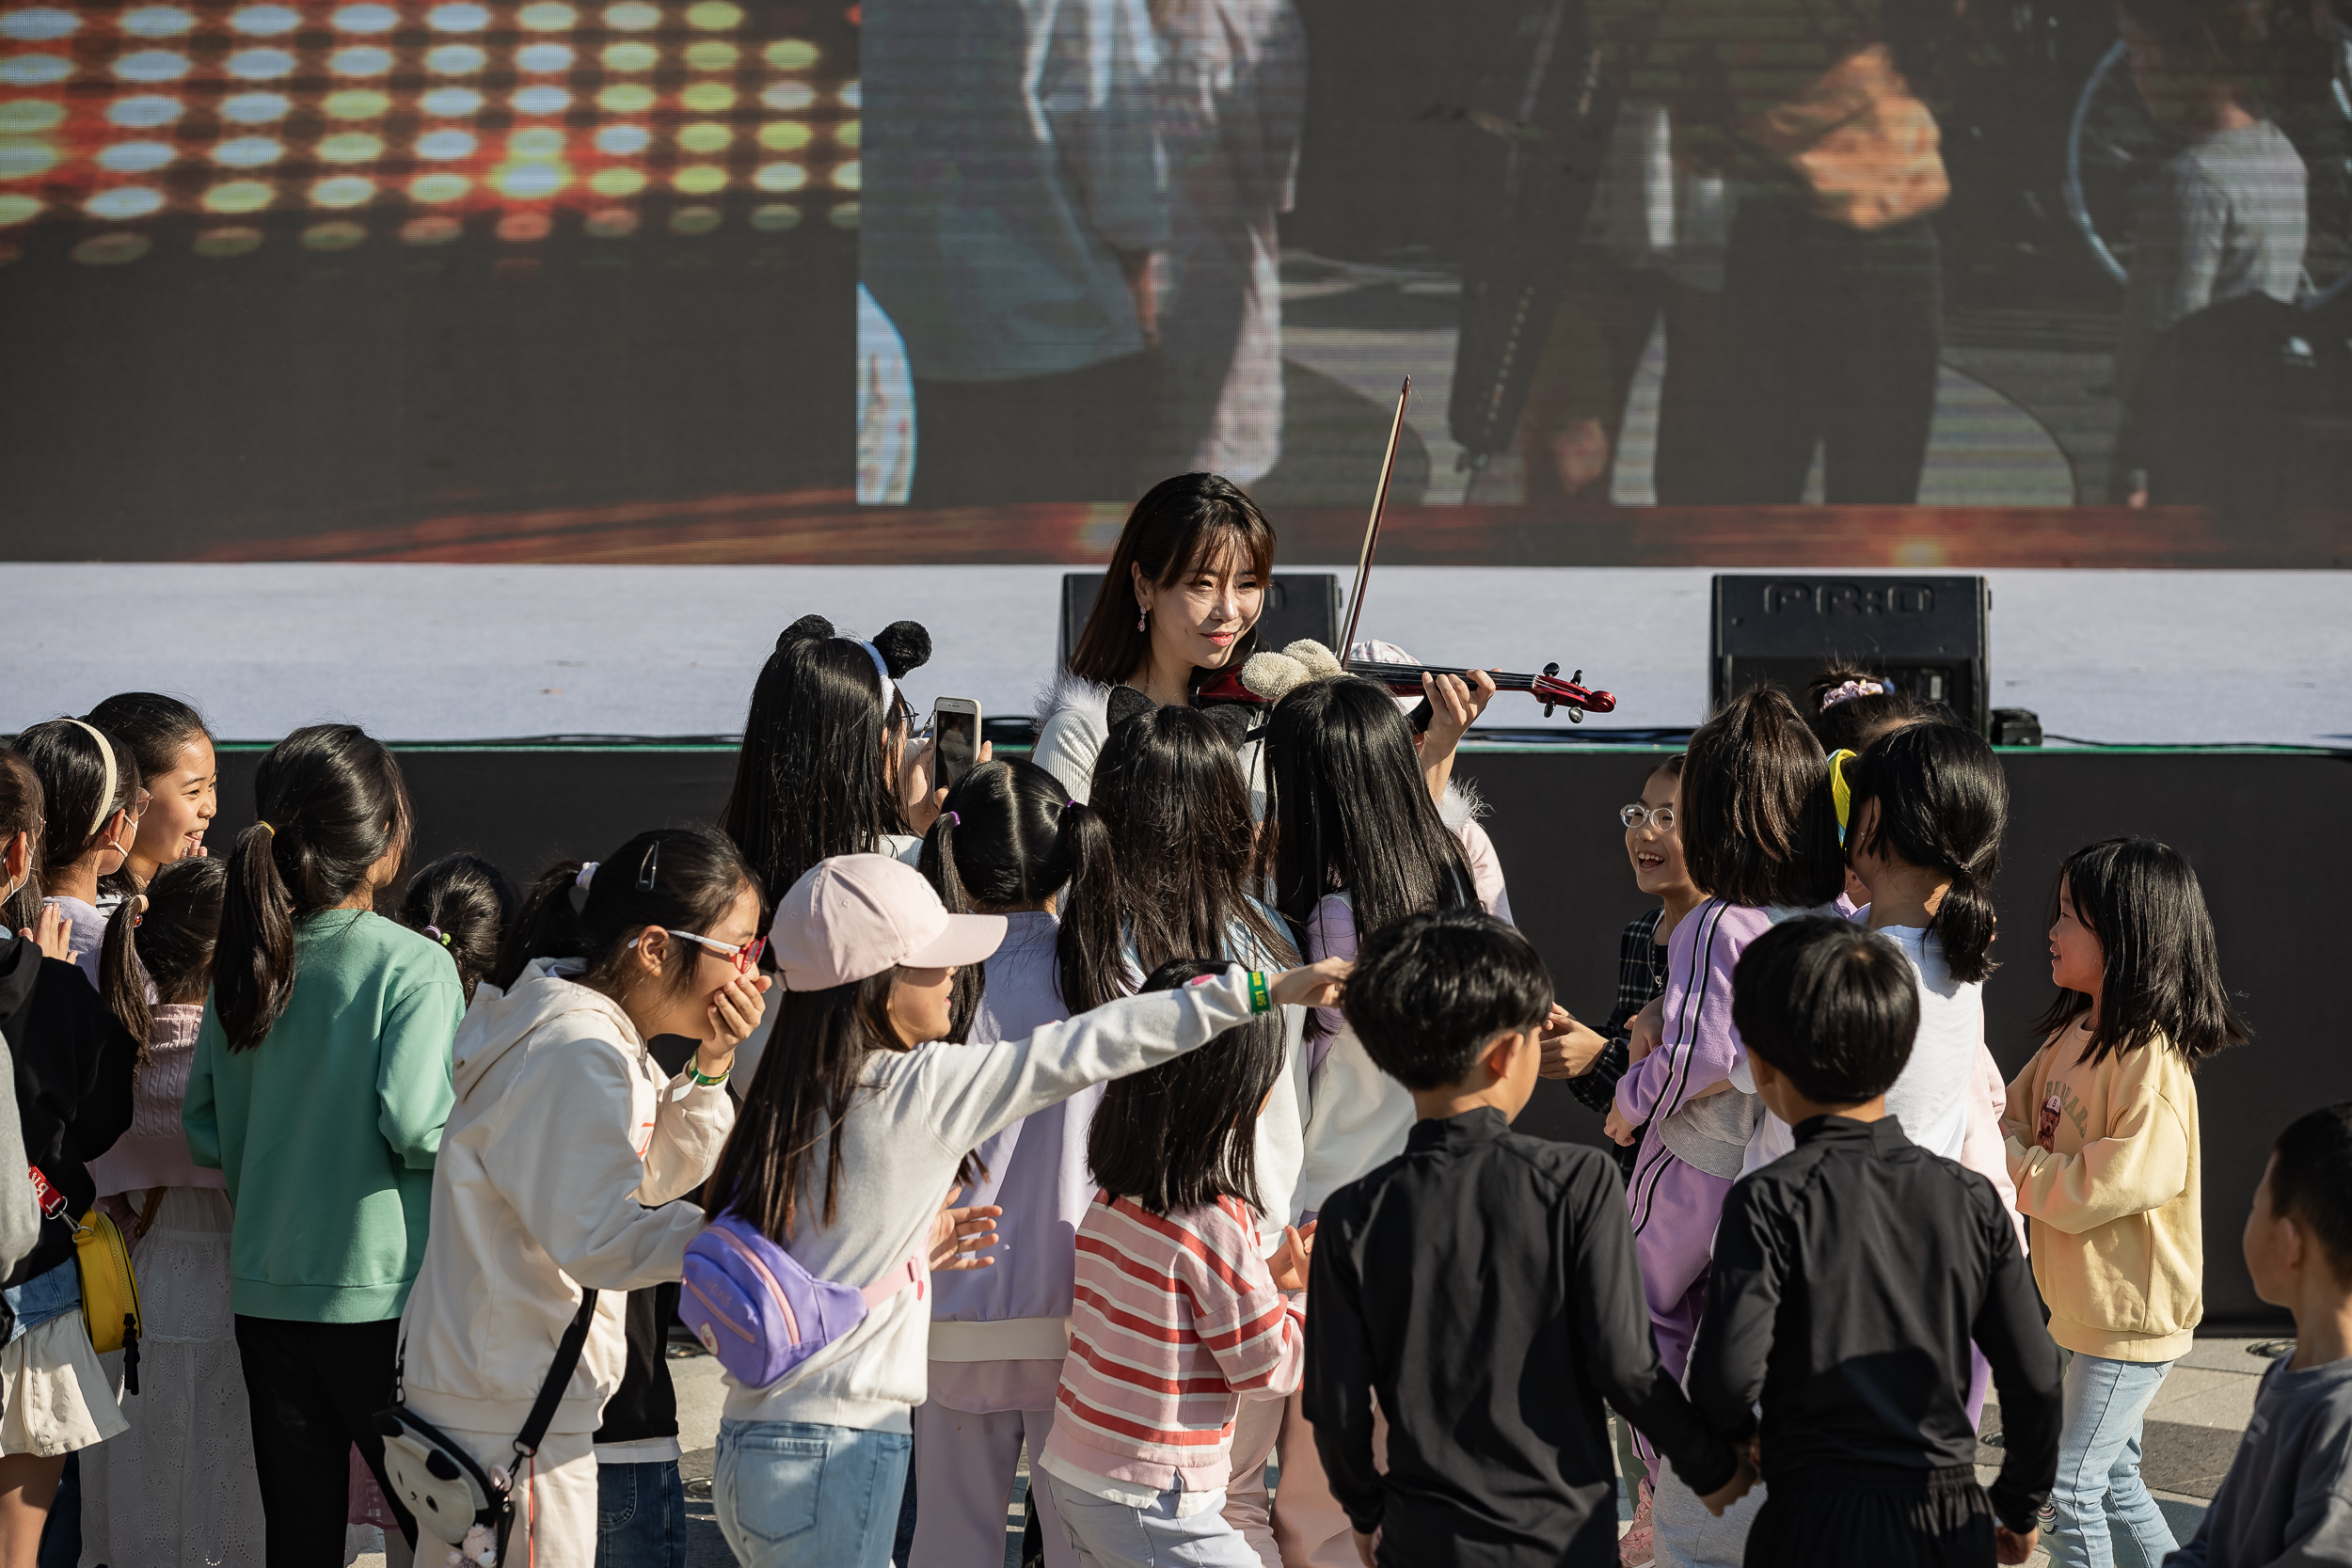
320, 1081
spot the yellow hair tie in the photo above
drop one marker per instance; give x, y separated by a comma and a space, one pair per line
1840, 791
267, 828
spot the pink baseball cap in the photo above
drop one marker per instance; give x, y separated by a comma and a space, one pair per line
857, 915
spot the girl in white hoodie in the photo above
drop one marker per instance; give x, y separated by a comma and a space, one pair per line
565, 1148
850, 1136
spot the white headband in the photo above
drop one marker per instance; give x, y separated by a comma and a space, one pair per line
107, 797
881, 668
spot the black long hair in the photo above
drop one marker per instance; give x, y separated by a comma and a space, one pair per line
813, 778
21, 811
157, 729
1008, 838
1182, 524
2162, 975
1177, 1136
465, 903
1758, 823
165, 936
1943, 806
328, 806
73, 768
798, 1097
1348, 810
1171, 791
685, 878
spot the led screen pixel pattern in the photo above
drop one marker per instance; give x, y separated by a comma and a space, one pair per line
419, 120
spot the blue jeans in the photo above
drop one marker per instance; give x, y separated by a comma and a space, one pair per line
1112, 1535
641, 1515
2100, 1512
793, 1492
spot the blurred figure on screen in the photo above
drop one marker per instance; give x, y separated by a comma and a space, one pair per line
885, 408
1015, 194
1233, 92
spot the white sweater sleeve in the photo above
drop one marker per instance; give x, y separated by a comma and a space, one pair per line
689, 1130
975, 1091
568, 1166
1281, 1141
1357, 1121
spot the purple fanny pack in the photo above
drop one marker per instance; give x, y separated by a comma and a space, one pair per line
754, 1307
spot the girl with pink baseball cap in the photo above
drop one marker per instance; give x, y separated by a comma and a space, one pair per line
847, 1139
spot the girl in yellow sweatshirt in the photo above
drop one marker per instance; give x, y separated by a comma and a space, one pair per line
2103, 1148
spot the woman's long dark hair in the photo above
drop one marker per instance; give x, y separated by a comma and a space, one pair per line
1348, 810
813, 778
1180, 524
465, 903
1943, 806
21, 812
1172, 792
798, 1098
70, 763
1011, 837
2162, 975
681, 878
1759, 824
329, 804
1177, 1136
165, 936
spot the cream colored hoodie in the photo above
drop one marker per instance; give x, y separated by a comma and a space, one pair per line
564, 1130
2112, 1199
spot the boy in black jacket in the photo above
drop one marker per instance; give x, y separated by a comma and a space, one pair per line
1482, 1285
1849, 1278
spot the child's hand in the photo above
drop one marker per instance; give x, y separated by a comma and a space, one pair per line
2009, 1546
1647, 1029
1317, 985
1620, 1128
733, 1014
1289, 1265
52, 934
1742, 1481
957, 1234
1570, 1048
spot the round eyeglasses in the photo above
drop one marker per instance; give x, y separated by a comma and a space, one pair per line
1659, 817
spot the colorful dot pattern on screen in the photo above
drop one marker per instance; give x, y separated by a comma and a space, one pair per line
203, 125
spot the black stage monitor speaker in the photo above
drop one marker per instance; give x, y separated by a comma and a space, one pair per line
1297, 604
1925, 634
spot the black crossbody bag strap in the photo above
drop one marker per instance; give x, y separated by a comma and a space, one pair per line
535, 1425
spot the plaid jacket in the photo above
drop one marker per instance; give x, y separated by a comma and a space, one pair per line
1641, 979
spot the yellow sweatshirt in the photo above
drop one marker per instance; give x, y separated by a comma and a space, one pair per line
2111, 1193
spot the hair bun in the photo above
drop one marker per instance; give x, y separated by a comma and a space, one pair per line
1125, 702
808, 629
904, 645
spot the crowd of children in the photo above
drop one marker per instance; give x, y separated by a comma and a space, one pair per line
1143, 1107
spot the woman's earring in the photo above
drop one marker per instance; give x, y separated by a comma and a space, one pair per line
1141, 615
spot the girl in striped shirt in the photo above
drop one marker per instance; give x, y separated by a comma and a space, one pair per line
1177, 1319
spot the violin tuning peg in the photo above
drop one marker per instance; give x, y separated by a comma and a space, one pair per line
1548, 710
1552, 669
1577, 679
1576, 715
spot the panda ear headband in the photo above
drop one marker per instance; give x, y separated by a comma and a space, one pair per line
898, 647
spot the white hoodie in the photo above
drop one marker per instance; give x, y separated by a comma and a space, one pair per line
564, 1131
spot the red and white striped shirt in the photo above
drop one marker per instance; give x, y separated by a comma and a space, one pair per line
1175, 1319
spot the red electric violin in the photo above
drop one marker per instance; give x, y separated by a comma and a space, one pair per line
1404, 679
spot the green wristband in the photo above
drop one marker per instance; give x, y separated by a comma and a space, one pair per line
1260, 994
701, 1082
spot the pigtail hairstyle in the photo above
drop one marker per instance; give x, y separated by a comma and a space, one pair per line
329, 805
814, 778
1178, 1135
88, 778
1348, 810
2162, 979
1847, 707
1943, 806
21, 803
592, 911
1759, 824
807, 1078
162, 938
1185, 524
464, 903
1171, 793
1008, 838
155, 729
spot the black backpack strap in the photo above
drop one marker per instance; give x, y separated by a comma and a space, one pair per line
559, 1377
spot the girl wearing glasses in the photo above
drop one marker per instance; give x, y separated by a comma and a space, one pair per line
91, 784
567, 1145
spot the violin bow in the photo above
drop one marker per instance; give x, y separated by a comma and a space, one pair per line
1372, 525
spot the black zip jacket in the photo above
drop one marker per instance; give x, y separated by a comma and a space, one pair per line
1849, 1278
1484, 1285
73, 1064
